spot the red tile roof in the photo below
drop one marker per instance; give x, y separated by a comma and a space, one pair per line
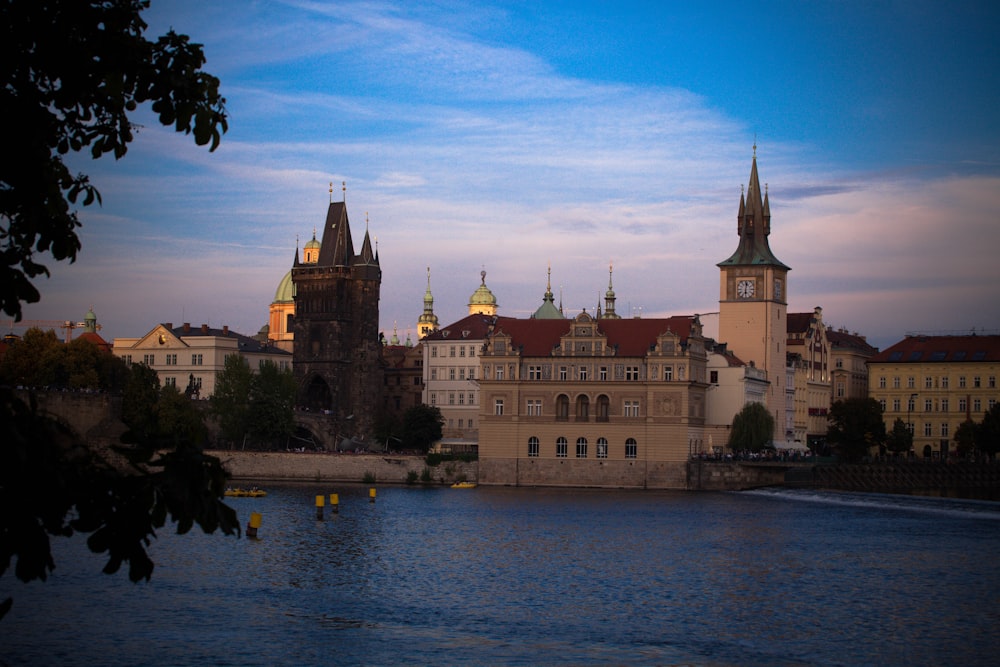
632, 337
921, 349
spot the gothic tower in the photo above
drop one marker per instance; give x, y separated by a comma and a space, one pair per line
337, 357
753, 297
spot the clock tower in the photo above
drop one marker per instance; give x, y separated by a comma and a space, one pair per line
753, 297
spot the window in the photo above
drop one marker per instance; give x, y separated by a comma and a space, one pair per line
991, 382
534, 407
944, 405
631, 408
928, 383
581, 448
171, 360
472, 373
499, 372
451, 398
582, 408
498, 407
976, 382
451, 373
668, 373
713, 377
562, 373
127, 358
603, 408
944, 429
562, 448
472, 350
944, 381
532, 447
928, 405
602, 448
196, 360
895, 405
461, 398
603, 374
170, 382
434, 398
928, 430
961, 382
632, 373
562, 407
451, 351
461, 373
895, 382
881, 382
840, 389
881, 404
911, 382
149, 359
461, 423
534, 372
977, 405
461, 351
434, 352
472, 398
630, 448
583, 372
434, 374
962, 405
911, 404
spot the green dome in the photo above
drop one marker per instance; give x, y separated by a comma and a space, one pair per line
313, 243
286, 290
482, 296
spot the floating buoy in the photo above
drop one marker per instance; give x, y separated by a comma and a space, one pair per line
255, 521
319, 507
371, 495
335, 502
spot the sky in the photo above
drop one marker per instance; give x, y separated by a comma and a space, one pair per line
512, 137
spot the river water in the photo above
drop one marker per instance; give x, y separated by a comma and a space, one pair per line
499, 576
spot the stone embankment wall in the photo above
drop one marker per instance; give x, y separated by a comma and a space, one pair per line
322, 467
720, 476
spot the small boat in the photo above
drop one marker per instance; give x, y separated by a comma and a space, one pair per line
463, 485
246, 493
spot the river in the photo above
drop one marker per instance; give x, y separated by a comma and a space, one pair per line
501, 576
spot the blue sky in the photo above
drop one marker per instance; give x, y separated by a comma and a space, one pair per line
512, 136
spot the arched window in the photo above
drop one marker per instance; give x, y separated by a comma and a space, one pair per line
562, 447
603, 408
582, 408
631, 448
602, 448
532, 446
562, 408
581, 448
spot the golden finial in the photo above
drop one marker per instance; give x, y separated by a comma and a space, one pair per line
343, 187
331, 192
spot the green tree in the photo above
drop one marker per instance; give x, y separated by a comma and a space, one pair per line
178, 420
23, 365
272, 405
422, 426
988, 433
753, 428
230, 401
856, 426
899, 440
966, 436
139, 402
74, 72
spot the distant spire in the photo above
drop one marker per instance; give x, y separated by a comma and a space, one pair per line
331, 192
343, 187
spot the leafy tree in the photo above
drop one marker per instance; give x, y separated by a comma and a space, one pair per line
272, 404
988, 433
753, 428
23, 364
178, 420
899, 439
422, 426
856, 426
965, 437
139, 402
231, 399
74, 71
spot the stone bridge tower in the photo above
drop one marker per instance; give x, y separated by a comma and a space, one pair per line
337, 358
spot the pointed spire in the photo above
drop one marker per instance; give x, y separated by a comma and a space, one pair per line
609, 296
343, 188
754, 224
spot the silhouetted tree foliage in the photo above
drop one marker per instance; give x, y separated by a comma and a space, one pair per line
855, 427
230, 400
73, 72
255, 408
753, 428
40, 360
899, 439
422, 426
988, 432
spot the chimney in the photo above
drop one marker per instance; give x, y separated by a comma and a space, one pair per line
225, 330
170, 325
187, 327
204, 329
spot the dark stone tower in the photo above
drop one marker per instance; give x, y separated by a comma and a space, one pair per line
337, 356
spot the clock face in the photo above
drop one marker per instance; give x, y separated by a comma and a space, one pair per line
745, 289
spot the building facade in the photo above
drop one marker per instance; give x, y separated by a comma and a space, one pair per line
282, 309
337, 354
809, 357
189, 357
934, 384
591, 402
849, 355
732, 384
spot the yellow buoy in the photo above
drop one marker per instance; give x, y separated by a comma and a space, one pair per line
255, 521
319, 507
335, 502
371, 495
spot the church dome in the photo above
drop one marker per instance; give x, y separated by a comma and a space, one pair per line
482, 296
286, 290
